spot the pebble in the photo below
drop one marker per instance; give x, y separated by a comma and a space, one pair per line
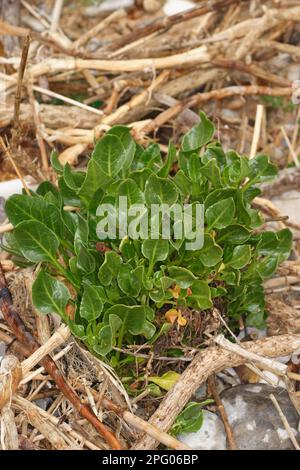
211, 435
255, 422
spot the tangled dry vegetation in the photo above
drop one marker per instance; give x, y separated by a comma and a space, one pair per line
62, 89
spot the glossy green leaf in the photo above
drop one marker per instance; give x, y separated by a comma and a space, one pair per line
130, 280
155, 250
91, 304
182, 276
22, 208
160, 191
109, 268
36, 241
199, 135
50, 295
220, 214
240, 257
201, 296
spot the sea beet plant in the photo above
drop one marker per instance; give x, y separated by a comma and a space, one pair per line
111, 293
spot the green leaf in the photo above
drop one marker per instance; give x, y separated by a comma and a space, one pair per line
194, 165
73, 179
128, 144
199, 135
21, 208
234, 235
182, 276
94, 180
182, 182
36, 242
201, 296
261, 170
55, 163
111, 154
133, 317
149, 158
50, 295
109, 268
92, 302
160, 191
155, 250
130, 280
107, 336
81, 235
240, 257
267, 266
166, 168
166, 381
211, 253
211, 171
220, 214
190, 419
131, 191
85, 261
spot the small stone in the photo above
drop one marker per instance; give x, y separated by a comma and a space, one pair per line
211, 435
255, 422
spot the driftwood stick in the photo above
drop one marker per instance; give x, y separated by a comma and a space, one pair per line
18, 95
285, 422
269, 364
14, 321
164, 23
10, 376
211, 360
214, 391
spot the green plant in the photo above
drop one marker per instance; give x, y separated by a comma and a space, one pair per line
190, 419
110, 293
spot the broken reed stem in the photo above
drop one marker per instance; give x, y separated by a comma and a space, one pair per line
164, 23
214, 391
14, 321
257, 129
57, 339
91, 33
38, 125
285, 422
269, 364
22, 403
291, 149
24, 55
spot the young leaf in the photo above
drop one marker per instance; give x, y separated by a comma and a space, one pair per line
130, 280
240, 257
50, 295
155, 250
36, 241
92, 302
109, 268
160, 191
220, 214
166, 381
199, 135
200, 295
182, 276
